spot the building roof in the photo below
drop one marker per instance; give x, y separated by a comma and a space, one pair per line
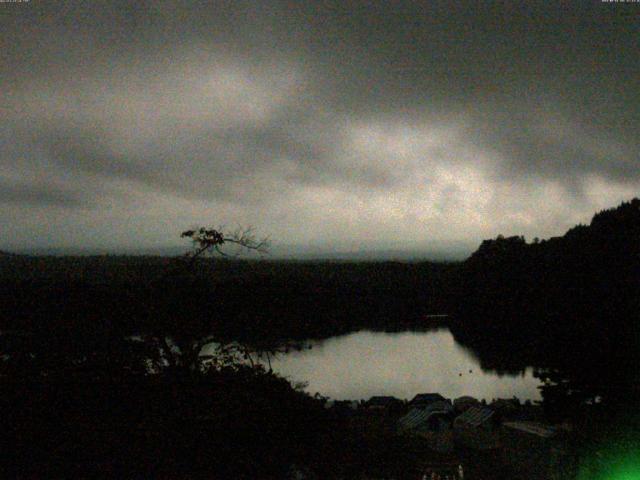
442, 405
475, 416
464, 403
417, 418
427, 398
533, 428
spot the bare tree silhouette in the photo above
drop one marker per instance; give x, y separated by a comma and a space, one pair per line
212, 240
185, 353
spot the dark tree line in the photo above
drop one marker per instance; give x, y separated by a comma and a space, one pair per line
103, 370
104, 380
569, 305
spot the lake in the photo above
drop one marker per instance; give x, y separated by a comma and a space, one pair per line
362, 364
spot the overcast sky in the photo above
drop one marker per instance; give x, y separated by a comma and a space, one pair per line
351, 126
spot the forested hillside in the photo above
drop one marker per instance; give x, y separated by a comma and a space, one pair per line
571, 302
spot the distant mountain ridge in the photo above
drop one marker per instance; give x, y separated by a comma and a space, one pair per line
279, 252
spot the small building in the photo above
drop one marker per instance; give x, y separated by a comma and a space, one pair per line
432, 425
506, 408
475, 417
535, 450
422, 420
383, 404
476, 428
462, 404
439, 406
425, 399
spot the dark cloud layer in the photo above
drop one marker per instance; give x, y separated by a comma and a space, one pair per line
421, 121
37, 195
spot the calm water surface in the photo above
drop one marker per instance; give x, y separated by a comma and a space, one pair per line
362, 364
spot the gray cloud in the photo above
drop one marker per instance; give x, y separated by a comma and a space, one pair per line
454, 120
38, 195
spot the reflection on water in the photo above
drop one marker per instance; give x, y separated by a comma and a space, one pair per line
362, 364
